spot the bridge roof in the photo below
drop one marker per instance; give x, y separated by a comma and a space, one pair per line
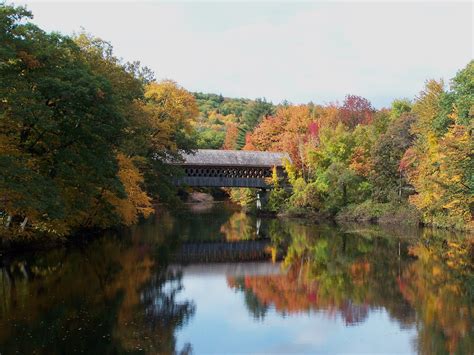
210, 157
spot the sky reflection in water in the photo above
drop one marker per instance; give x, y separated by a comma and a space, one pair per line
223, 324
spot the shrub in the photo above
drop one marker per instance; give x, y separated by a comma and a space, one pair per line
388, 213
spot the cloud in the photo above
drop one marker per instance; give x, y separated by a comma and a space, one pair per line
299, 52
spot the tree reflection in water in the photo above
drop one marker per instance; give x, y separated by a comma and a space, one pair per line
111, 296
425, 281
163, 315
440, 287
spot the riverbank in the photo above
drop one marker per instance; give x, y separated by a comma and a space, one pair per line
19, 244
370, 213
44, 242
366, 215
382, 213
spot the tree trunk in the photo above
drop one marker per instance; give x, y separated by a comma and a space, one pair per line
23, 224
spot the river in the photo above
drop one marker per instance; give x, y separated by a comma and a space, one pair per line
211, 279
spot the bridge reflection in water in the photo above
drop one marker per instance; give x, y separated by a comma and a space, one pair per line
221, 251
255, 247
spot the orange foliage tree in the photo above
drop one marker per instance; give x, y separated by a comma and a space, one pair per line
231, 134
287, 131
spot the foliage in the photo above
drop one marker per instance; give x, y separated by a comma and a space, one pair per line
278, 196
54, 106
85, 140
351, 154
224, 122
170, 111
288, 130
83, 136
230, 140
355, 110
398, 213
254, 112
243, 196
137, 202
207, 138
399, 107
440, 164
388, 177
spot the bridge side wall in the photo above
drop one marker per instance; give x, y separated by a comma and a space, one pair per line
208, 181
226, 176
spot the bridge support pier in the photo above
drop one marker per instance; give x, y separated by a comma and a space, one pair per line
261, 199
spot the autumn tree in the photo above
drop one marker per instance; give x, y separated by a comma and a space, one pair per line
230, 140
268, 133
136, 203
355, 110
399, 107
168, 112
288, 131
441, 169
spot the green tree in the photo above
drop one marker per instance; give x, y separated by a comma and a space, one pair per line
387, 177
82, 134
399, 107
251, 117
53, 109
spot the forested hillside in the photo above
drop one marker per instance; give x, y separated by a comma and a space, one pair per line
224, 122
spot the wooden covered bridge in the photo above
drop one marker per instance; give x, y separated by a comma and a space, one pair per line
230, 168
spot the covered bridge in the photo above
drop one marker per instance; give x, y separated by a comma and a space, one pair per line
230, 168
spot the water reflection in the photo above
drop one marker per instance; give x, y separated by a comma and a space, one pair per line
307, 288
338, 273
110, 296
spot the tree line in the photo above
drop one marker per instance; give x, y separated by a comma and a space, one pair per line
411, 162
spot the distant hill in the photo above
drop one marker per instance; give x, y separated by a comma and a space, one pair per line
223, 122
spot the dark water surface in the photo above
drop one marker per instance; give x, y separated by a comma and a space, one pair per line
213, 280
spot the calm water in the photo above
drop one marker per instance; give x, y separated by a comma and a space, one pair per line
213, 280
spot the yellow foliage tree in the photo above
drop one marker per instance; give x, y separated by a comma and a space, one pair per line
137, 203
170, 109
442, 163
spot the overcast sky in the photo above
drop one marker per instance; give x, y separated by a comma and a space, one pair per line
308, 51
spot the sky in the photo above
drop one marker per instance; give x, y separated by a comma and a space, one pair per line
295, 51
